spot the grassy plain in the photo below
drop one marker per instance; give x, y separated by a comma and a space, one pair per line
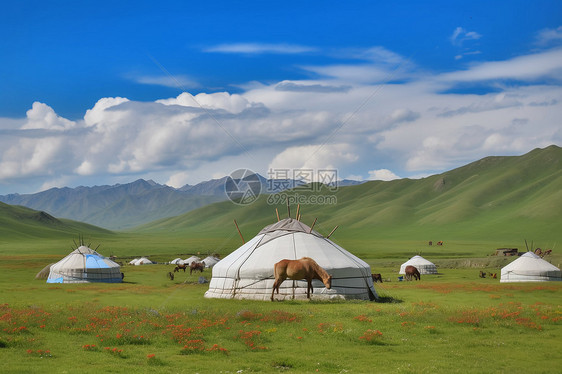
450, 322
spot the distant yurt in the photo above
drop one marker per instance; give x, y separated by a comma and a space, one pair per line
530, 268
191, 259
132, 262
84, 265
424, 266
177, 261
210, 261
143, 261
247, 273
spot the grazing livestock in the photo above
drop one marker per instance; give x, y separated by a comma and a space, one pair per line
376, 278
430, 242
196, 266
304, 268
440, 242
180, 267
412, 271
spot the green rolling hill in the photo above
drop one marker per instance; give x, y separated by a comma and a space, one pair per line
503, 199
18, 222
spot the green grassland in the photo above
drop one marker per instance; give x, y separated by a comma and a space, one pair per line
452, 322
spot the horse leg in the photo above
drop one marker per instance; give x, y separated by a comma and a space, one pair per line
275, 286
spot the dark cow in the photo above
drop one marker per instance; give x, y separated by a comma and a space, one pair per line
376, 278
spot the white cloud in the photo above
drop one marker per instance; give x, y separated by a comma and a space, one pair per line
42, 116
542, 65
550, 36
382, 174
177, 81
233, 103
260, 48
460, 35
408, 127
99, 112
178, 180
314, 157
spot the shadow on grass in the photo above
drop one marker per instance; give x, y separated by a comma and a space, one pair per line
389, 300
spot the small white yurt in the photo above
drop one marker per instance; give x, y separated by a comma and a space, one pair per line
132, 262
210, 261
191, 259
143, 261
530, 268
84, 265
247, 273
424, 266
177, 261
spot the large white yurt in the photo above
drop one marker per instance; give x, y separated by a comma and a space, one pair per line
247, 273
530, 268
424, 266
84, 265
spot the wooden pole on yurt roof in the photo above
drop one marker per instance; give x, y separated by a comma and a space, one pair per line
330, 234
241, 237
288, 208
277, 212
298, 208
313, 223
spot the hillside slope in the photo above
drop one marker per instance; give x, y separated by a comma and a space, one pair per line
18, 222
495, 197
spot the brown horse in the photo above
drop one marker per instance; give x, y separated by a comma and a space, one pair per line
412, 271
180, 267
196, 266
376, 278
304, 268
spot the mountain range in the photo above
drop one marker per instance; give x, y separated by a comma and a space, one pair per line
122, 206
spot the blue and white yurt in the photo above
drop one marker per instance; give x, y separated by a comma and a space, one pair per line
85, 265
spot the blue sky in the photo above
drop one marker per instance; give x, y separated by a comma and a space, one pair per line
107, 92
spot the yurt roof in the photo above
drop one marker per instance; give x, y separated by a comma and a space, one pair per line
247, 273
210, 261
189, 260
